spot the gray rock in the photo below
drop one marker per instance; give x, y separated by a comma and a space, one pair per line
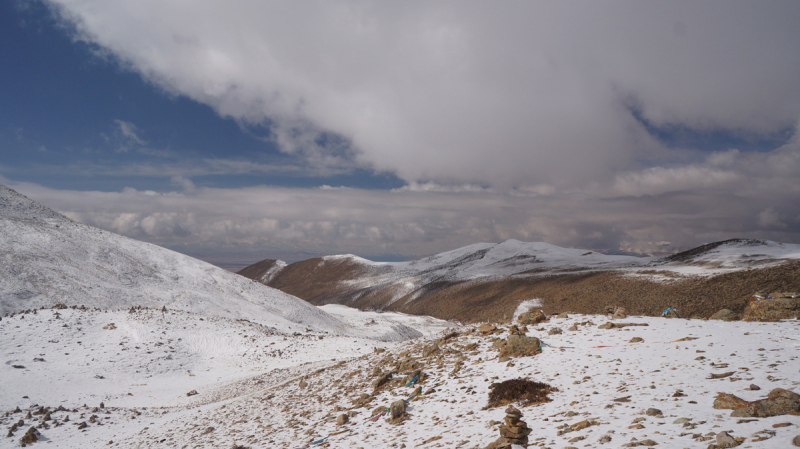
397, 409
724, 440
653, 412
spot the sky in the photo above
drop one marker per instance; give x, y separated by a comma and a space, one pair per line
238, 131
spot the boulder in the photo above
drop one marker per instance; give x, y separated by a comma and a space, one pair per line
487, 328
772, 309
342, 419
397, 409
382, 380
724, 440
520, 345
554, 331
531, 317
725, 315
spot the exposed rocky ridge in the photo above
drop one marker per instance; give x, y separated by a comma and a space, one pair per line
644, 287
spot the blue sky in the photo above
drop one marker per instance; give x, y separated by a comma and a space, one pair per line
65, 104
253, 130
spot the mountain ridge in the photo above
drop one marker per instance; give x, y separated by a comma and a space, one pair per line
477, 281
49, 259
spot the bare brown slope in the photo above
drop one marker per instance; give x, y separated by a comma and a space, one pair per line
590, 293
258, 269
319, 282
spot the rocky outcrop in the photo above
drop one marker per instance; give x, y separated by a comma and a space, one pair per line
772, 309
778, 402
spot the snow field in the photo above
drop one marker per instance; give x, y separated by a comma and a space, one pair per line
594, 368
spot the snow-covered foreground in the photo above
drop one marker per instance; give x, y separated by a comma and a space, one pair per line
256, 389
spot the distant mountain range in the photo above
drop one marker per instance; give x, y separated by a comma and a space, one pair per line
486, 281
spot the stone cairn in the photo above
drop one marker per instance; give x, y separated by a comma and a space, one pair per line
514, 431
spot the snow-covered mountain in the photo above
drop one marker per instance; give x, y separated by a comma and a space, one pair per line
482, 277
48, 259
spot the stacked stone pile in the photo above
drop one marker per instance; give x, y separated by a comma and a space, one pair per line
514, 431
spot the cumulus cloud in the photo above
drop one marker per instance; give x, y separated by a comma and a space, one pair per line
470, 93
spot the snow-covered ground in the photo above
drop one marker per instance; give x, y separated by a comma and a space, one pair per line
249, 382
49, 259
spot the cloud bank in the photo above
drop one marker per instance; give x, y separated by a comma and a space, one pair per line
531, 120
510, 95
651, 211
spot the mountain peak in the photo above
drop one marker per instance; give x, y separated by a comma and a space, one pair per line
17, 206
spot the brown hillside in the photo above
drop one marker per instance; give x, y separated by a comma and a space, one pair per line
258, 269
321, 282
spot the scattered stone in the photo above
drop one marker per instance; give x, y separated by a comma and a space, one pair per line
531, 317
796, 440
562, 315
778, 402
754, 387
647, 442
722, 375
781, 424
382, 380
397, 409
604, 439
554, 331
653, 412
611, 325
342, 419
573, 328
520, 345
303, 383
681, 420
487, 328
636, 340
430, 350
724, 440
30, 437
194, 392
725, 315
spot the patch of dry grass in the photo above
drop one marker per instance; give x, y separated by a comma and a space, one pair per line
522, 391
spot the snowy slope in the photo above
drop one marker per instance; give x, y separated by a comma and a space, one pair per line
729, 255
600, 375
47, 259
513, 259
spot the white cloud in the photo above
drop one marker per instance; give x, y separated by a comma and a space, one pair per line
128, 131
484, 93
